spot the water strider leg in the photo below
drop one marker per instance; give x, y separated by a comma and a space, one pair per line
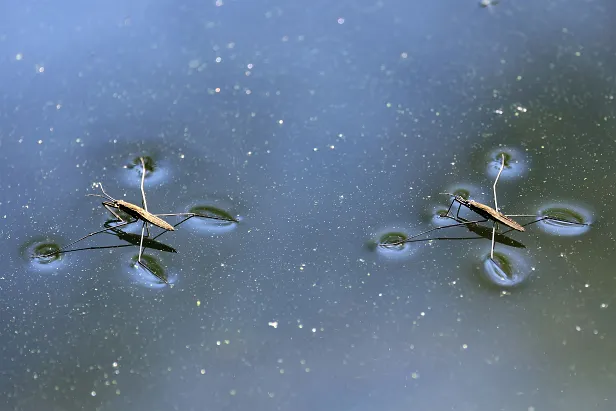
459, 207
141, 263
494, 226
450, 205
143, 200
109, 206
84, 237
175, 225
546, 217
141, 243
541, 218
496, 181
430, 230
191, 215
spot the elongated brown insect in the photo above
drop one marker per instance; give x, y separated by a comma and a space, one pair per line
138, 214
488, 213
132, 210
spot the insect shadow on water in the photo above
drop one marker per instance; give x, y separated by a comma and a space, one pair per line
130, 238
488, 213
137, 214
479, 230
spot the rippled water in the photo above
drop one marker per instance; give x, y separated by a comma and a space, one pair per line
326, 131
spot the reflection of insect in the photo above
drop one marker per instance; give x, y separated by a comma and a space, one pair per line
488, 213
138, 214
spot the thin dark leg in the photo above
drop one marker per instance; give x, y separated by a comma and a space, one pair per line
191, 215
450, 205
541, 218
109, 207
430, 230
84, 237
175, 225
546, 217
458, 212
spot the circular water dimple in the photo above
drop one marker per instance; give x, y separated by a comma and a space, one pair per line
462, 192
507, 269
565, 220
154, 276
384, 244
34, 248
516, 164
438, 218
219, 224
156, 171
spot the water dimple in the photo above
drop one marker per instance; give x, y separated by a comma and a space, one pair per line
221, 223
41, 247
438, 213
506, 270
154, 276
148, 162
157, 171
488, 3
389, 239
462, 192
565, 220
385, 245
515, 163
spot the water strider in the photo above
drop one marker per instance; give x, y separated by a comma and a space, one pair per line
488, 213
138, 214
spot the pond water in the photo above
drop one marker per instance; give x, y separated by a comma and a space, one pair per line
325, 129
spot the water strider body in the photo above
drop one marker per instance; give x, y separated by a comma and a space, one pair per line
133, 210
488, 213
485, 211
138, 214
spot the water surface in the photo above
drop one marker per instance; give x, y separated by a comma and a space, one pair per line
322, 127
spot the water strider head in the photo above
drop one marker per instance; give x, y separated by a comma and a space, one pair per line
458, 198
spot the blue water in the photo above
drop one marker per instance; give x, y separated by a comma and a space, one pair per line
322, 127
